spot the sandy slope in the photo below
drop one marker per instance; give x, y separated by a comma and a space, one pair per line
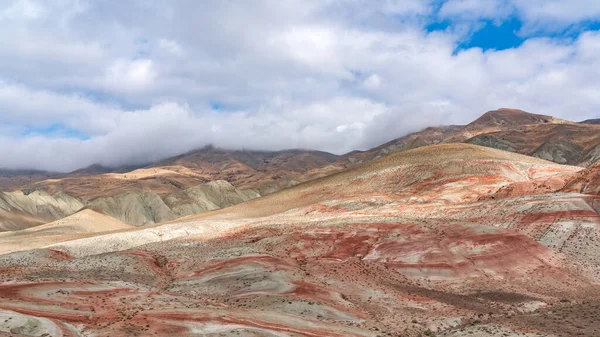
407, 173
84, 221
81, 224
440, 175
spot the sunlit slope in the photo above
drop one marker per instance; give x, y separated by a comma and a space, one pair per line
81, 224
437, 173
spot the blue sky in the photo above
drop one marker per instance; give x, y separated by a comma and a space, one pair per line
121, 82
495, 35
53, 131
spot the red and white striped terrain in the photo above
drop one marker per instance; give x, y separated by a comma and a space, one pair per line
444, 240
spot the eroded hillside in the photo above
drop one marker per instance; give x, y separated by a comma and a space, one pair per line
19, 210
262, 172
449, 240
541, 136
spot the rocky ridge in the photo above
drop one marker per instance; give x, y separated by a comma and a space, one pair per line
541, 136
19, 210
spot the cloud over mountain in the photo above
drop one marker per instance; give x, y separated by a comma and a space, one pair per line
119, 82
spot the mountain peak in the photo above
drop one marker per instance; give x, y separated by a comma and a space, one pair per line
505, 117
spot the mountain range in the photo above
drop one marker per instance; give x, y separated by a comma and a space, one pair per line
179, 186
486, 229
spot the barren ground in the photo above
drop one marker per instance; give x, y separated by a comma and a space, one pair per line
450, 240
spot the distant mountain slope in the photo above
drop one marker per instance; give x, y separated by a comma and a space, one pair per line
419, 175
19, 210
541, 136
163, 180
428, 136
101, 169
262, 170
573, 144
512, 130
13, 179
170, 188
136, 207
502, 119
591, 121
141, 208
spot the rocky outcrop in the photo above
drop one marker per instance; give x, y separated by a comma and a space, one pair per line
592, 157
586, 181
591, 121
20, 210
206, 197
559, 152
141, 208
136, 208
493, 142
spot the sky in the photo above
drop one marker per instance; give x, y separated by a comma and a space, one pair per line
122, 82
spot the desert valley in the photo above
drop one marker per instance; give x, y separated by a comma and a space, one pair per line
485, 229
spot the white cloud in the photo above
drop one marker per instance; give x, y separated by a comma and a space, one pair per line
334, 75
314, 46
130, 76
27, 107
541, 12
404, 7
476, 9
372, 82
167, 129
23, 9
170, 46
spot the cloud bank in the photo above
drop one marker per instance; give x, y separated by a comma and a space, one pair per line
125, 82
